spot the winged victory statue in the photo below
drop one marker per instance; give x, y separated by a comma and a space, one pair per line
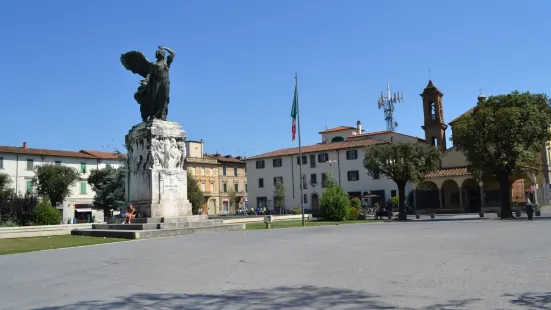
154, 89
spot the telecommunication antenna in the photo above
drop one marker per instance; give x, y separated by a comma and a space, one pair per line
387, 104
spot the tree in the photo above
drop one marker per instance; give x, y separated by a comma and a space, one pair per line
194, 194
45, 214
109, 185
6, 189
503, 135
335, 203
55, 182
232, 196
279, 195
402, 162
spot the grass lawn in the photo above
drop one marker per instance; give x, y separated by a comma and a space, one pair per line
21, 245
298, 223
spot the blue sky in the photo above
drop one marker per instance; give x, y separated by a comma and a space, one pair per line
63, 86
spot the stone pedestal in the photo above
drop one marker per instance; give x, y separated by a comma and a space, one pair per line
157, 179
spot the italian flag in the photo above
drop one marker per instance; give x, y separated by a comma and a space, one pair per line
294, 112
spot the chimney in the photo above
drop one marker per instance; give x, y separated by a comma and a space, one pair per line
359, 126
24, 145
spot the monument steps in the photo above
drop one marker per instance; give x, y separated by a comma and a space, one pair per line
151, 226
112, 232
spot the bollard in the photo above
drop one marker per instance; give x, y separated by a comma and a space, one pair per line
417, 215
432, 215
481, 214
517, 213
268, 220
538, 213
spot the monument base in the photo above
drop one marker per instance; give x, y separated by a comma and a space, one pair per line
157, 181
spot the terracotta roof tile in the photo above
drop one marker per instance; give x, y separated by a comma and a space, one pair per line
448, 172
319, 148
102, 155
468, 112
44, 152
224, 159
368, 134
340, 128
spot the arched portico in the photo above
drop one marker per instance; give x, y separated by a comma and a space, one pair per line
450, 194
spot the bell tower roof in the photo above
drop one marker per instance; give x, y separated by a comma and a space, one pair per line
431, 88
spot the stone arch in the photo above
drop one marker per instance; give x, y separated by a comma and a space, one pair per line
427, 185
450, 194
427, 196
314, 201
520, 184
470, 189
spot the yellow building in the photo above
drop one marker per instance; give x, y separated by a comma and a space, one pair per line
205, 170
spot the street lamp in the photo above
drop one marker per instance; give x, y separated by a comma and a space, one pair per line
481, 184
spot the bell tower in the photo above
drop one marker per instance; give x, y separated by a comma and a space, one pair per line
434, 126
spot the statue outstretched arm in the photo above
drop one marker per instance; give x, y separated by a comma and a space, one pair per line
171, 53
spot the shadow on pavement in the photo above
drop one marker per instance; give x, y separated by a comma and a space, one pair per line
306, 297
531, 300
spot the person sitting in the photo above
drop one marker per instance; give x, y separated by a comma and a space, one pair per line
129, 214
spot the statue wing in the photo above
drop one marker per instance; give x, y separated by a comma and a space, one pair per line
136, 62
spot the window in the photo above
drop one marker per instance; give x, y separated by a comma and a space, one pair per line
353, 175
376, 176
30, 164
203, 186
313, 178
212, 187
337, 139
192, 170
58, 162
324, 179
261, 183
277, 162
224, 169
236, 187
392, 193
83, 187
1, 162
259, 164
304, 160
323, 157
82, 167
352, 154
202, 170
211, 171
304, 182
305, 198
246, 188
29, 186
432, 109
235, 172
108, 166
280, 179
225, 188
312, 161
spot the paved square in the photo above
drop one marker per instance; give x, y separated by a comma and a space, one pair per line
488, 264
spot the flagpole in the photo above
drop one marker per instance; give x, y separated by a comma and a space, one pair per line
300, 154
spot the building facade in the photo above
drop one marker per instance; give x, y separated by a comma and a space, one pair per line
19, 164
232, 177
205, 170
339, 156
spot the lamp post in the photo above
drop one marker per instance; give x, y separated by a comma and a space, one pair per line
481, 185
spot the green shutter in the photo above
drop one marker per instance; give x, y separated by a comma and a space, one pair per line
225, 187
29, 186
30, 164
83, 187
1, 163
108, 166
223, 170
246, 188
236, 187
83, 167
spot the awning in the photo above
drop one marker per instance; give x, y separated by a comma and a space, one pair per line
84, 210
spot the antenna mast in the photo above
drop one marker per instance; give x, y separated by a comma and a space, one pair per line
387, 104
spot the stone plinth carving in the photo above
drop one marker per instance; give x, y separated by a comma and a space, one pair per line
158, 181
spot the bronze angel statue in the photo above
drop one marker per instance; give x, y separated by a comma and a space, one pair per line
154, 90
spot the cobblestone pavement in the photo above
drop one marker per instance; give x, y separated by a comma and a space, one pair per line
479, 264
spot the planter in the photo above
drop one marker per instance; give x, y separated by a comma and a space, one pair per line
481, 214
417, 215
538, 213
432, 215
517, 213
499, 214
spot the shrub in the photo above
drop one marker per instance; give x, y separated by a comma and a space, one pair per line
296, 210
353, 213
394, 201
355, 202
45, 214
335, 204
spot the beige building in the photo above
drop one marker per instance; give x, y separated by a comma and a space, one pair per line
232, 177
217, 176
452, 187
